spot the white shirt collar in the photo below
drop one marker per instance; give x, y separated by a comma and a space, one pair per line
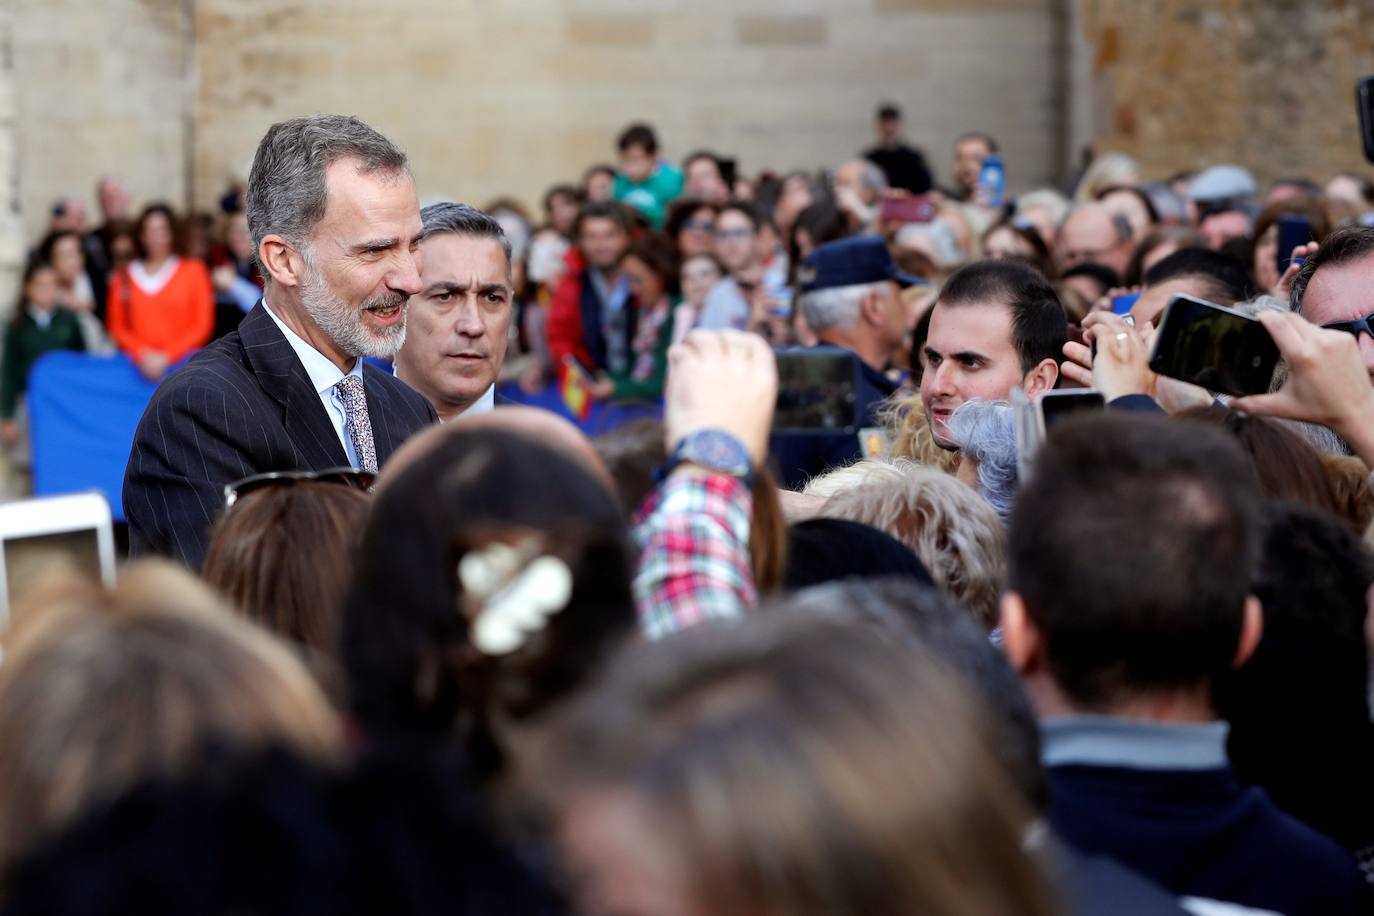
324, 375
483, 404
152, 284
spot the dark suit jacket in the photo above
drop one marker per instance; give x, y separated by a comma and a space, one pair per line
243, 405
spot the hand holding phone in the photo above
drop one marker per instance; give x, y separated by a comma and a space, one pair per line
1294, 231
903, 209
1214, 348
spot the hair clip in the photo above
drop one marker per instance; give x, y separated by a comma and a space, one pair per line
515, 595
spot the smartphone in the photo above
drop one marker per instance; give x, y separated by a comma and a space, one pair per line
917, 209
817, 391
729, 170
1122, 305
54, 536
1364, 99
1214, 348
1293, 231
1053, 407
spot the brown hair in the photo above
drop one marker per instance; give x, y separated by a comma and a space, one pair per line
177, 227
794, 764
103, 690
1287, 466
1182, 236
283, 557
1349, 479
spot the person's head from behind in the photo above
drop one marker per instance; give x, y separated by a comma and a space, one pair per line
459, 321
101, 691
1214, 276
737, 232
851, 297
282, 556
493, 579
650, 269
638, 148
336, 228
997, 325
1332, 287
746, 770
1092, 232
970, 150
1130, 559
1287, 467
602, 233
956, 535
887, 124
823, 550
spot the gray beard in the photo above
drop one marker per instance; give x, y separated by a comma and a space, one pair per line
344, 325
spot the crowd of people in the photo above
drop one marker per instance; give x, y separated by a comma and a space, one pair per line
388, 641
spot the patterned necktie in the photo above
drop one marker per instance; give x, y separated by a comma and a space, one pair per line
350, 389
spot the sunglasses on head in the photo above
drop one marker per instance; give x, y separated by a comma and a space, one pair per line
349, 477
1355, 326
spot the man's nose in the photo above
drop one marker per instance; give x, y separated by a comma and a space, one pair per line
469, 318
405, 277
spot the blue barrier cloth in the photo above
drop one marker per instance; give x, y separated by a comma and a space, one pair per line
83, 411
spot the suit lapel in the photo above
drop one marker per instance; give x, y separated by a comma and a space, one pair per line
379, 412
282, 376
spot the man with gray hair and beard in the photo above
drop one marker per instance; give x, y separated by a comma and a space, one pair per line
335, 222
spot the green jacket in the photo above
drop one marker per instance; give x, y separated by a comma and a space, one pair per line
25, 341
629, 388
652, 195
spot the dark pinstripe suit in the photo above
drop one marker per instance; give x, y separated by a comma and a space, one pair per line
243, 405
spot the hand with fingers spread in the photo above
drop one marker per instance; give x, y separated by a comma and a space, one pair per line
726, 380
1327, 381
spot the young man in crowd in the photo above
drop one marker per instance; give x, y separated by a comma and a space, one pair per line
1120, 616
459, 321
737, 247
903, 164
969, 152
645, 182
850, 300
591, 318
997, 325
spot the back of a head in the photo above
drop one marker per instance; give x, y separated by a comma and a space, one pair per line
929, 621
409, 653
283, 556
273, 835
1222, 278
792, 765
1039, 325
107, 691
821, 550
1133, 548
953, 530
1286, 466
631, 452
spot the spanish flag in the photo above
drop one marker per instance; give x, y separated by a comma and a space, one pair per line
572, 384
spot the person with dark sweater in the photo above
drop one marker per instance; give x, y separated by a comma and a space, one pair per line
1120, 615
903, 164
39, 326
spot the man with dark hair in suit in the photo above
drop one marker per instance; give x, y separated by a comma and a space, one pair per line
336, 224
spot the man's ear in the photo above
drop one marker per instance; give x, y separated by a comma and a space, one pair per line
1020, 638
1251, 631
281, 260
1041, 379
871, 310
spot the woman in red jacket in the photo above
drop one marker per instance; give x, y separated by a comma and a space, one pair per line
161, 307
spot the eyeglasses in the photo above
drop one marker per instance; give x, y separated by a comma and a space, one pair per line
1355, 326
349, 477
700, 225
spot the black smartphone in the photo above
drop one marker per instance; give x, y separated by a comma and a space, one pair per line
1293, 230
1364, 100
1214, 348
729, 171
817, 391
1052, 407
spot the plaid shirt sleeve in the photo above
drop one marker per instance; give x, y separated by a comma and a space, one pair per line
693, 539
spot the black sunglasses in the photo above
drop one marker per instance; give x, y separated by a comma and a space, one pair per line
1355, 326
349, 477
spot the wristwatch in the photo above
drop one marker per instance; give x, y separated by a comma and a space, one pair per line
715, 450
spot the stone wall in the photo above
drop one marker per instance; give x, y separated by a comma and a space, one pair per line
507, 98
11, 222
1264, 83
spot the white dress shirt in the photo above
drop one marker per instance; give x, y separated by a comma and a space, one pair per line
324, 375
481, 405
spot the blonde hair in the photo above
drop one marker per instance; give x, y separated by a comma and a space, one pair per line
908, 429
1106, 170
953, 530
108, 689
